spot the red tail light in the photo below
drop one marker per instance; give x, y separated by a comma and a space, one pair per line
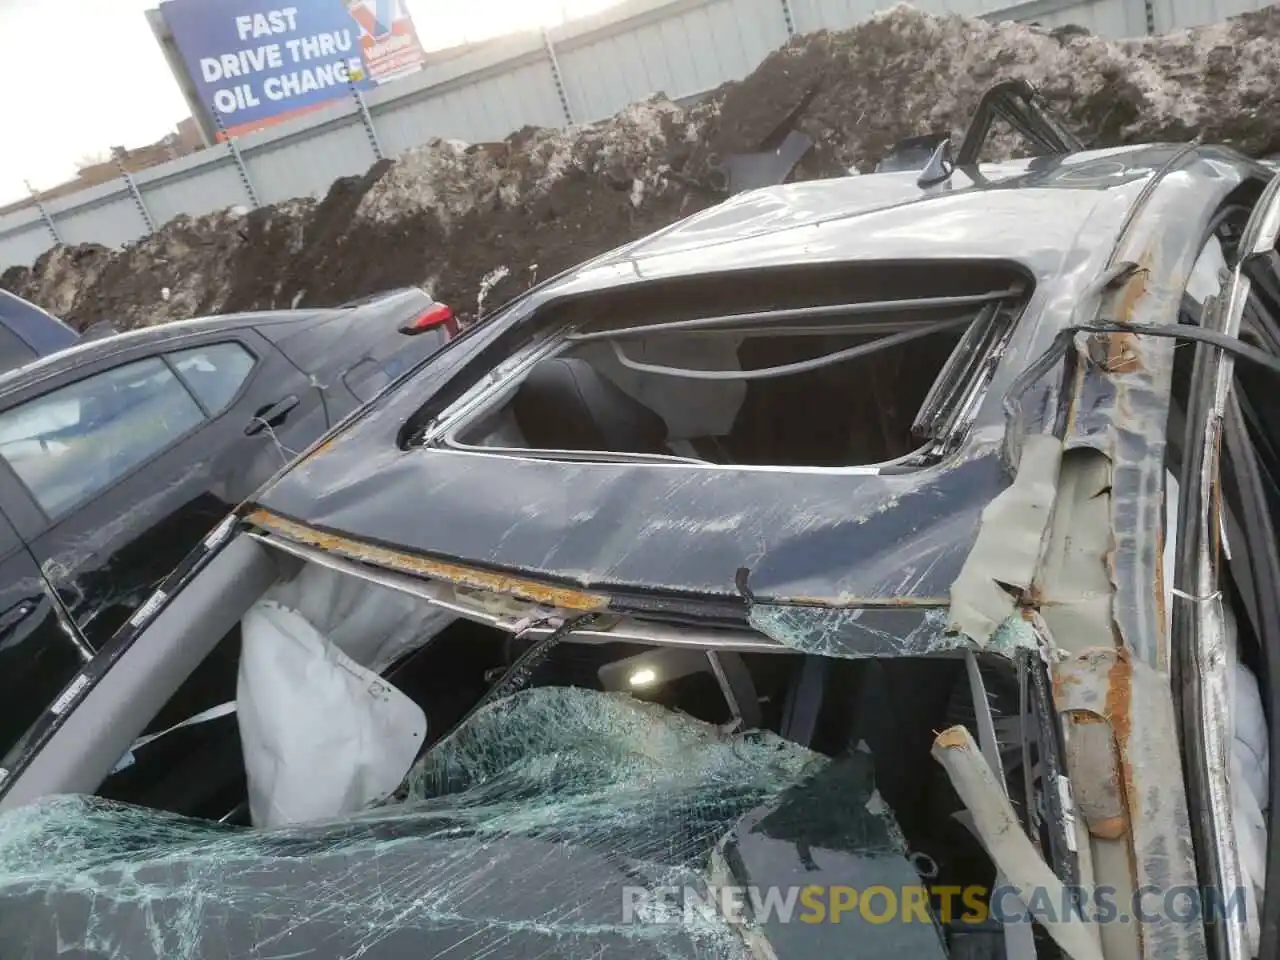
438, 315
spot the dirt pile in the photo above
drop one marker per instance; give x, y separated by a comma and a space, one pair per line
479, 222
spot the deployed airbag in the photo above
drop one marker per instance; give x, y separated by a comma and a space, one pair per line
322, 735
373, 625
1250, 765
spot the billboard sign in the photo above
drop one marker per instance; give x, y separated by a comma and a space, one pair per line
254, 63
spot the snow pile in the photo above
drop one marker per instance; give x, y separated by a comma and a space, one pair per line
61, 276
450, 178
447, 178
478, 222
624, 150
904, 73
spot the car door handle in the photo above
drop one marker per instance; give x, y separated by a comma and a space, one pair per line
272, 415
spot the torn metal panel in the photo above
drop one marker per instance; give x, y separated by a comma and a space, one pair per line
1126, 777
1000, 568
523, 832
1073, 585
1130, 786
1100, 584
1122, 406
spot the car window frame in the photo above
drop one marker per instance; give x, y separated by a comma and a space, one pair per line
11, 539
241, 390
493, 390
1202, 554
119, 361
11, 339
71, 748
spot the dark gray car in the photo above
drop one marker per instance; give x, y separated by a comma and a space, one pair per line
28, 332
118, 454
856, 540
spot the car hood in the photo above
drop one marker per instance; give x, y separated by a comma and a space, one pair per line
550, 823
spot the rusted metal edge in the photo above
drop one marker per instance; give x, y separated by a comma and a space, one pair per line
531, 590
1112, 687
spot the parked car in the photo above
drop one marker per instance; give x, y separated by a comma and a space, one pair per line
911, 532
28, 333
118, 454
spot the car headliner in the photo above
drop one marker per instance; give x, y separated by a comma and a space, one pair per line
831, 537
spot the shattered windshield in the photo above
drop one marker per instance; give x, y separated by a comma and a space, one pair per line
519, 835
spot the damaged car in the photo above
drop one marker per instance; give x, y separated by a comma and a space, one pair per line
871, 545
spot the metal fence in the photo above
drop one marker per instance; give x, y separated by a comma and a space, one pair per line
581, 71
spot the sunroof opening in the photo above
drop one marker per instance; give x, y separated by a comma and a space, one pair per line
846, 384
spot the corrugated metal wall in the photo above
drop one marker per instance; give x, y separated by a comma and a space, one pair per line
583, 71
1175, 14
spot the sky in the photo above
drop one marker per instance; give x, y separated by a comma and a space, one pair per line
98, 79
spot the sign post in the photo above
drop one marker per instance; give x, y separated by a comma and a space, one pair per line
366, 118
237, 158
557, 76
118, 156
44, 212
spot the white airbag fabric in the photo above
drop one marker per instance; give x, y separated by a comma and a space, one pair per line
1249, 771
371, 624
322, 735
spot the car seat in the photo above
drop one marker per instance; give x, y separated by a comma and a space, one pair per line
564, 404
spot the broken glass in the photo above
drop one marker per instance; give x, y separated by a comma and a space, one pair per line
877, 632
519, 835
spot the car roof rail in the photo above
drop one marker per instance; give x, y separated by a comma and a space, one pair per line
1016, 102
1020, 105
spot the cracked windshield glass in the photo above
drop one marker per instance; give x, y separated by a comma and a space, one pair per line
589, 479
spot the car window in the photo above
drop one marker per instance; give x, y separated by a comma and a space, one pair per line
13, 351
69, 444
214, 373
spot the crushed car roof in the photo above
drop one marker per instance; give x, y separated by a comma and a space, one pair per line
782, 534
1037, 211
